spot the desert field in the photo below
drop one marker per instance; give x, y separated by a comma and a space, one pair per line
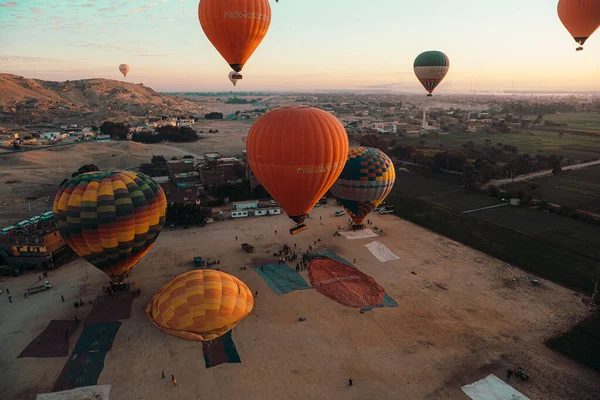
461, 316
30, 179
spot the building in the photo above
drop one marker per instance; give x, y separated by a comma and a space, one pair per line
186, 165
244, 205
51, 135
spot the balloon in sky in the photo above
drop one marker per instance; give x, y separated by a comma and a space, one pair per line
234, 77
431, 67
580, 17
235, 27
200, 305
365, 182
297, 153
111, 219
124, 68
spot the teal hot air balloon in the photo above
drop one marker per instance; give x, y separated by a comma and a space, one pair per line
365, 182
431, 67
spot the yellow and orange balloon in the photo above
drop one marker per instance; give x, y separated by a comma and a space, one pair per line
235, 27
200, 305
297, 153
580, 17
111, 219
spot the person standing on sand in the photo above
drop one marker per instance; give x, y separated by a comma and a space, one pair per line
349, 381
236, 238
174, 380
62, 298
38, 341
7, 291
163, 374
10, 299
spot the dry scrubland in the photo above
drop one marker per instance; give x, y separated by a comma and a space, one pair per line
462, 316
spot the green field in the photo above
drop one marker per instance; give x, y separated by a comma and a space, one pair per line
576, 147
580, 189
557, 248
579, 121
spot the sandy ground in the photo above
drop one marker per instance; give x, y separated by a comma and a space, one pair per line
37, 174
459, 318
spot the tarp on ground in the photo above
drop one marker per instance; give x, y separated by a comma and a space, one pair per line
97, 337
54, 341
381, 252
81, 370
492, 388
110, 308
219, 351
387, 300
97, 392
361, 234
282, 279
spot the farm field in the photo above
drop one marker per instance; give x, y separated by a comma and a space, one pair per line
580, 189
582, 121
558, 248
584, 148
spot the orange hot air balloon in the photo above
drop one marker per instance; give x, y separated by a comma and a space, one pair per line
580, 17
235, 27
124, 68
297, 154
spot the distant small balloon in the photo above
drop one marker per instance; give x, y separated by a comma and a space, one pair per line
124, 68
234, 77
430, 68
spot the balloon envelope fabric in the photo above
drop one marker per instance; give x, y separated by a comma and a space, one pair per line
200, 305
111, 219
365, 182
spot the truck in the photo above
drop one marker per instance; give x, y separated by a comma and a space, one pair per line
198, 262
38, 287
248, 248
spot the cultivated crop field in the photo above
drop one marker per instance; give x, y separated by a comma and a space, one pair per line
555, 247
580, 189
534, 142
582, 121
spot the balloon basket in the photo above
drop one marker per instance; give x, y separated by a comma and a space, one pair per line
429, 95
579, 48
358, 227
298, 229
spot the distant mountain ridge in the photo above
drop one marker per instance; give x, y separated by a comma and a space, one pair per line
86, 101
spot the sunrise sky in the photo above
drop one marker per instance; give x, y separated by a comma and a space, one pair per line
311, 45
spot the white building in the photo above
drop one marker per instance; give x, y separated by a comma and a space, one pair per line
51, 135
244, 205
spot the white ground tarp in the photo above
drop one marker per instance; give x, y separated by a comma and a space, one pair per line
98, 392
492, 388
362, 234
381, 252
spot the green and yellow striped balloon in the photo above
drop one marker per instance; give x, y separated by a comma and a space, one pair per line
111, 219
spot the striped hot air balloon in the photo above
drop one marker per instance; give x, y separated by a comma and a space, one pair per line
431, 67
200, 305
111, 219
365, 182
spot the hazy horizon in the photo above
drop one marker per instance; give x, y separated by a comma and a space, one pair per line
342, 45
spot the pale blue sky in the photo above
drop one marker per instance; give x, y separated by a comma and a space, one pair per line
312, 44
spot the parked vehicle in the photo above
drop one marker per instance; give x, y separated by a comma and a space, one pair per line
339, 213
248, 247
384, 211
10, 270
38, 287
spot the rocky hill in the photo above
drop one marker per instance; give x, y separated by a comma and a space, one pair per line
26, 101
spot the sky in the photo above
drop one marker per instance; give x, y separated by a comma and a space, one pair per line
311, 45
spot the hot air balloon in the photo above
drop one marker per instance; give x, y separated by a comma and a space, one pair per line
431, 67
365, 182
234, 77
297, 153
235, 27
124, 68
580, 17
111, 219
200, 305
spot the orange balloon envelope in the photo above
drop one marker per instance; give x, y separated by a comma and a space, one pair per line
200, 305
297, 153
580, 17
235, 27
124, 68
